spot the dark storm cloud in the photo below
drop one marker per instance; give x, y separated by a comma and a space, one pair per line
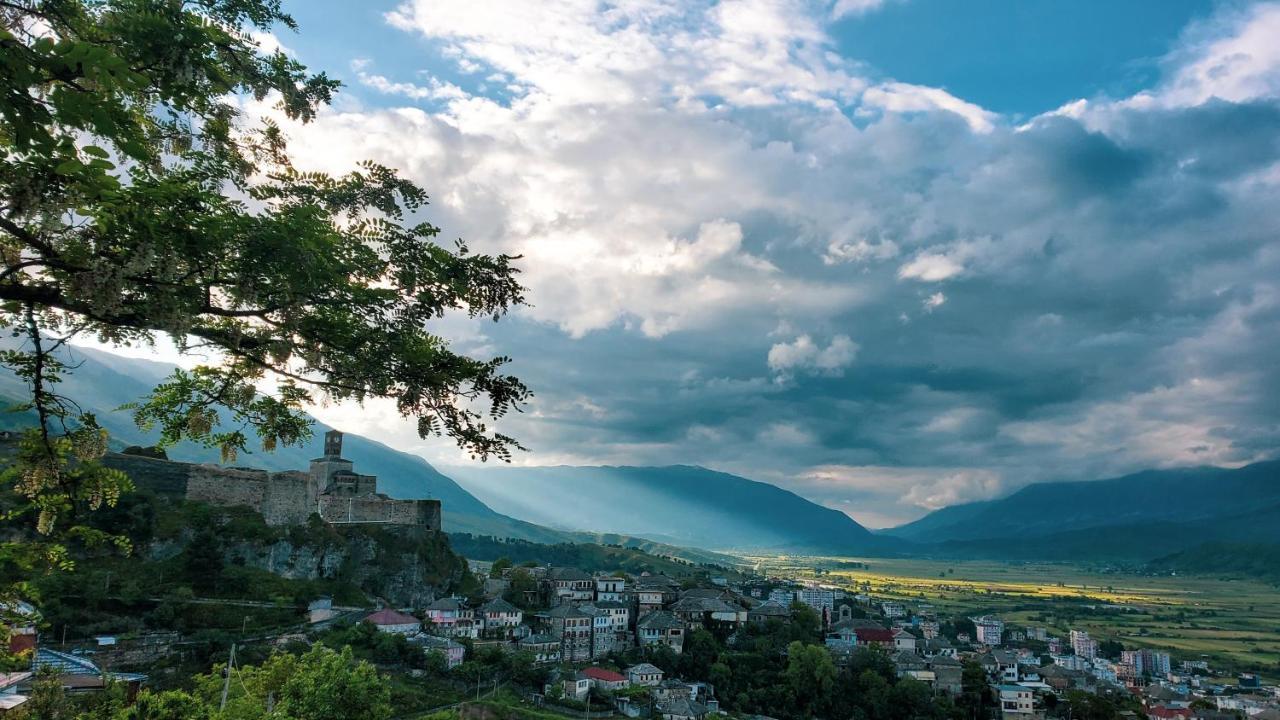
877, 294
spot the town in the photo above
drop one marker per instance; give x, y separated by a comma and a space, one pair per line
613, 644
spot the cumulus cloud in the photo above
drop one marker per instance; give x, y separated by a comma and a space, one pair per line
696, 187
804, 354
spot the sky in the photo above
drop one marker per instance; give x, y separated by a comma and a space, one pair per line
890, 254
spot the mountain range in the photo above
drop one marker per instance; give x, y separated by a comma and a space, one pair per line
689, 512
1140, 516
679, 504
102, 382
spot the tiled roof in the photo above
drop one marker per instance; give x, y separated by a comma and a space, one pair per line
873, 635
447, 603
387, 616
599, 673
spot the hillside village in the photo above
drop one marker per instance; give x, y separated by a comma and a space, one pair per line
609, 642
602, 641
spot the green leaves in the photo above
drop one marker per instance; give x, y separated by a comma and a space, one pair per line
125, 164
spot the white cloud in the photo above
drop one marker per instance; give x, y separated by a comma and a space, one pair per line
846, 8
1233, 57
931, 267
683, 180
899, 97
804, 354
435, 90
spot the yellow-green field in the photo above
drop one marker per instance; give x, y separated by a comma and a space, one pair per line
1235, 624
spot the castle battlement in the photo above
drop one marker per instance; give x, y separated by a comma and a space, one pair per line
330, 488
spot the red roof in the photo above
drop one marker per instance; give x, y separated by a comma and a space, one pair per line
387, 616
873, 635
598, 673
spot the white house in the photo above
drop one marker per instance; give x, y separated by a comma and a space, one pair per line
903, 640
392, 621
610, 589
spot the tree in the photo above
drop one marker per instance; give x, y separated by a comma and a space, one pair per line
137, 199
700, 651
499, 565
811, 675
321, 684
521, 582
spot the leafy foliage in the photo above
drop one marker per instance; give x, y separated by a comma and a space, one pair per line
137, 198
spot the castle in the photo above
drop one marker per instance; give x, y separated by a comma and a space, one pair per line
329, 488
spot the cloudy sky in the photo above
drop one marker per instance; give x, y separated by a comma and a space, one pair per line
892, 255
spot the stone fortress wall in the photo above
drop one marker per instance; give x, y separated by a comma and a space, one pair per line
329, 488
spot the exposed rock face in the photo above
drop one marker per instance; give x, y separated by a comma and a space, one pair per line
405, 566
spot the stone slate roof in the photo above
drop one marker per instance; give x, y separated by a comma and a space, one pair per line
703, 604
683, 708
771, 609
568, 573
644, 669
540, 640
565, 611
656, 582
907, 660
445, 604
659, 620
856, 624
498, 605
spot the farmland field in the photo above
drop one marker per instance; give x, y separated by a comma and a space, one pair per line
1235, 624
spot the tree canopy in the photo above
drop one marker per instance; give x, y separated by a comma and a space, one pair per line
146, 190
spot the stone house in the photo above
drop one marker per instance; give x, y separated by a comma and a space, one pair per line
573, 627
452, 651
767, 610
498, 617
947, 674
602, 632
661, 627
570, 585
645, 674
544, 648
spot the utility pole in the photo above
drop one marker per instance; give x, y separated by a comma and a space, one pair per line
226, 682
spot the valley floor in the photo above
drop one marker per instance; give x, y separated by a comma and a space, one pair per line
1235, 623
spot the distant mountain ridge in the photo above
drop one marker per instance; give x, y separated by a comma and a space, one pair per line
1144, 515
680, 504
103, 381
